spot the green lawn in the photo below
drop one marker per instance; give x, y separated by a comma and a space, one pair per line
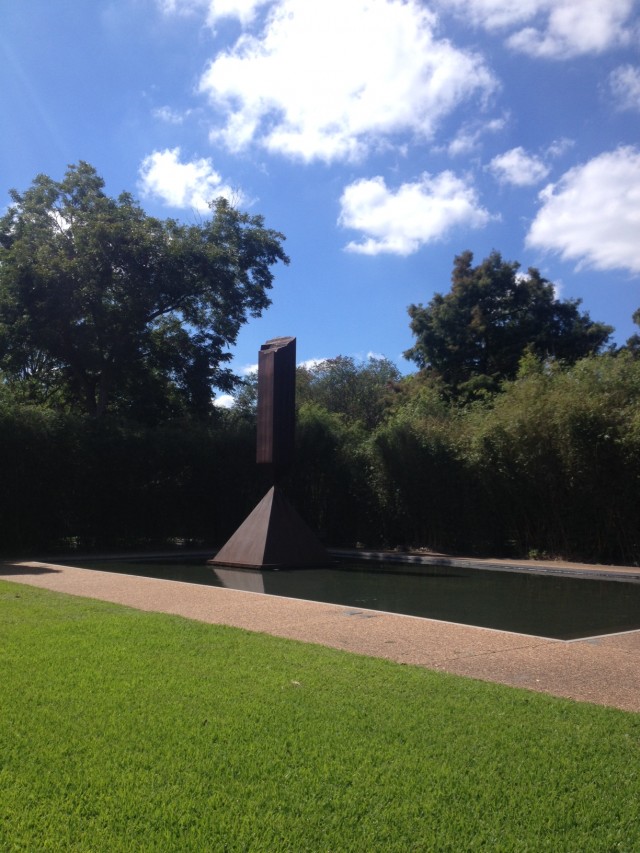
127, 731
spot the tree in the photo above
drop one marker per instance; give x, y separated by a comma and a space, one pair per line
109, 308
359, 392
475, 335
633, 343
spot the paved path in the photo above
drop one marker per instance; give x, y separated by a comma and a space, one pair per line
603, 670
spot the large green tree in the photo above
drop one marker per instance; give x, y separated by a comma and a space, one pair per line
474, 336
360, 392
357, 392
105, 307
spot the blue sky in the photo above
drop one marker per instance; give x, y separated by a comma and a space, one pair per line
382, 137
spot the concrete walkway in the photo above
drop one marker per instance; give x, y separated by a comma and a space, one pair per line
602, 670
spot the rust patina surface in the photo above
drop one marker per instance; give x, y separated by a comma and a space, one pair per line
273, 535
276, 404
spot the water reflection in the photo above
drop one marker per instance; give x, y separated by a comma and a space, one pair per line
548, 606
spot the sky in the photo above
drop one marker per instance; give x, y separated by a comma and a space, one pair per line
381, 137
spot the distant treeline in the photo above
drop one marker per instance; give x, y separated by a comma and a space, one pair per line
519, 434
550, 465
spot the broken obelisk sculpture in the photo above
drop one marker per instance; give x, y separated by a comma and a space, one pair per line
273, 535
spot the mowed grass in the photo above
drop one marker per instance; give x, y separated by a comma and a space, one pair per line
126, 731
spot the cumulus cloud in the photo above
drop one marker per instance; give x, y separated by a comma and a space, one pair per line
401, 222
192, 184
625, 87
555, 29
332, 80
224, 401
518, 168
592, 214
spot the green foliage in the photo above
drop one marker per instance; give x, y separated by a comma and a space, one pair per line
559, 455
340, 402
329, 483
105, 308
474, 336
123, 730
517, 437
550, 465
358, 392
103, 484
418, 476
633, 343
245, 399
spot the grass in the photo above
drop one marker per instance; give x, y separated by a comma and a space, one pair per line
130, 731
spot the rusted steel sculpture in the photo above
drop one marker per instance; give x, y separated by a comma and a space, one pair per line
276, 405
273, 535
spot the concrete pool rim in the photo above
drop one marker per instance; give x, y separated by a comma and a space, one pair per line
602, 670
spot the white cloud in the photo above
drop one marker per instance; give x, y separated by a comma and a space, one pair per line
552, 28
625, 87
249, 369
182, 7
469, 136
310, 363
331, 80
417, 213
244, 10
224, 401
193, 184
592, 214
560, 146
496, 14
518, 168
168, 115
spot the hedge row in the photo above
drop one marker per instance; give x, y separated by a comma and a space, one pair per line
550, 466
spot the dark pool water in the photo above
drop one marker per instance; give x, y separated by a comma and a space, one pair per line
547, 606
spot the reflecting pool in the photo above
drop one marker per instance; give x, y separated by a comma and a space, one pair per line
558, 607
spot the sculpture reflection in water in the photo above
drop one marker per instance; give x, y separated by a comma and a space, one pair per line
273, 535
